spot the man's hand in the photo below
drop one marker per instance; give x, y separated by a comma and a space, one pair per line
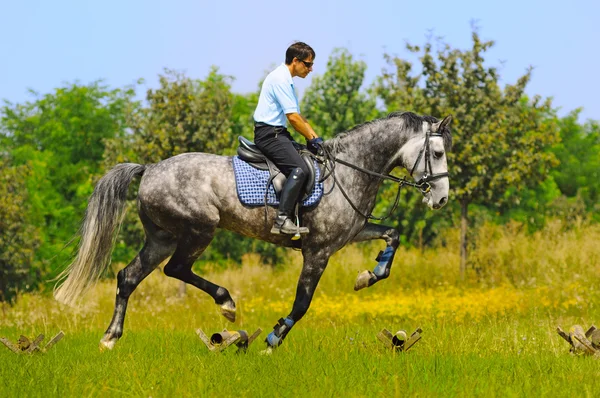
315, 146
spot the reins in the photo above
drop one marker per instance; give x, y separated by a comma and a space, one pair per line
422, 185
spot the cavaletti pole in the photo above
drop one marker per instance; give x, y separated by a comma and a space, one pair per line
221, 340
586, 343
399, 341
27, 346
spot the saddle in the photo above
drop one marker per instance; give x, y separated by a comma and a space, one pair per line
249, 152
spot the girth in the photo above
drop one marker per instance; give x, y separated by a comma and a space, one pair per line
249, 152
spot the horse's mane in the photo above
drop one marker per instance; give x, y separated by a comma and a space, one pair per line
411, 120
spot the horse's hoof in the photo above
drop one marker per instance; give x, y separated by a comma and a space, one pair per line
107, 345
364, 280
267, 351
228, 311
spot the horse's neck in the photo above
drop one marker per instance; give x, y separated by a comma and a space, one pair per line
375, 146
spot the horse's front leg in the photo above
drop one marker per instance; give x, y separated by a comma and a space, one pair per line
314, 265
385, 257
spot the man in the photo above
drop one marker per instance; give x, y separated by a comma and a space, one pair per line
278, 104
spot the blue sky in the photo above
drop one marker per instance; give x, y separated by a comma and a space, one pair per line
46, 43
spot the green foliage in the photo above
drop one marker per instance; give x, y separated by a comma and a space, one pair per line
501, 137
183, 115
241, 114
72, 123
533, 205
19, 238
571, 190
334, 103
578, 175
60, 137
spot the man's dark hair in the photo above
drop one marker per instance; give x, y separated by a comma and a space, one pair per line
298, 50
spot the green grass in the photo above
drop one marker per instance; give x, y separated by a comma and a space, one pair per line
501, 357
493, 335
513, 351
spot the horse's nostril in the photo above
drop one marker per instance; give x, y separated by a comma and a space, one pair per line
443, 201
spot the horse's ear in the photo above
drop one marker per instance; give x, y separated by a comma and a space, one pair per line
441, 125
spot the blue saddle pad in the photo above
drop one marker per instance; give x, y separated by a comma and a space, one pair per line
251, 184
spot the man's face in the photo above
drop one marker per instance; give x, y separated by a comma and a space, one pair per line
303, 67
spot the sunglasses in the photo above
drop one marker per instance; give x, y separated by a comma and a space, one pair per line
307, 64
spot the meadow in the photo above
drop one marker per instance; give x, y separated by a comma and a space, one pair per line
492, 334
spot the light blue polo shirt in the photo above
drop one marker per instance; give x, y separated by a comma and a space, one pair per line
277, 97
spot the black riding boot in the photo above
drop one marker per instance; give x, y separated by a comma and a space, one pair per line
290, 194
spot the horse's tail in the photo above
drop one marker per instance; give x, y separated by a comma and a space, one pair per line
103, 218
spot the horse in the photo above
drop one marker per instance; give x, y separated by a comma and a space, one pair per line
182, 200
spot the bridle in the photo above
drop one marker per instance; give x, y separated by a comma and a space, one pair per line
422, 185
428, 175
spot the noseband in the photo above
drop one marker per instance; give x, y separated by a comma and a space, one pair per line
422, 185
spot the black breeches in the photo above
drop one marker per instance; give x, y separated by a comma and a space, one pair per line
277, 144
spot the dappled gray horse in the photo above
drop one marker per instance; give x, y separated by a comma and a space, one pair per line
184, 199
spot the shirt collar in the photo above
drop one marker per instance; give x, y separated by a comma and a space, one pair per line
288, 75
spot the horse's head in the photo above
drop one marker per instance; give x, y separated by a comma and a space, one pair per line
424, 156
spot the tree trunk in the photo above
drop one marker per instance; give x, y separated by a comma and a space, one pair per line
464, 226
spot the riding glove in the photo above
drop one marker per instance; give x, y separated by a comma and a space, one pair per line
315, 145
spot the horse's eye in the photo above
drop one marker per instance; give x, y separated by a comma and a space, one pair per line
438, 154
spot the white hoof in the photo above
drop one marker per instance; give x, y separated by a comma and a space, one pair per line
362, 280
228, 311
107, 344
267, 351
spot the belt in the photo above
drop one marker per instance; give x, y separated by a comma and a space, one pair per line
261, 124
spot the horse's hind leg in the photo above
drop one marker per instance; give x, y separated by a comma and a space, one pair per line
189, 248
158, 246
384, 259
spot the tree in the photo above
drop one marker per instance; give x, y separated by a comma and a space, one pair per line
242, 115
60, 137
501, 136
183, 115
19, 239
334, 103
578, 175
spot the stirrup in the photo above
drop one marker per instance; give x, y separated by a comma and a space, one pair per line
288, 227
